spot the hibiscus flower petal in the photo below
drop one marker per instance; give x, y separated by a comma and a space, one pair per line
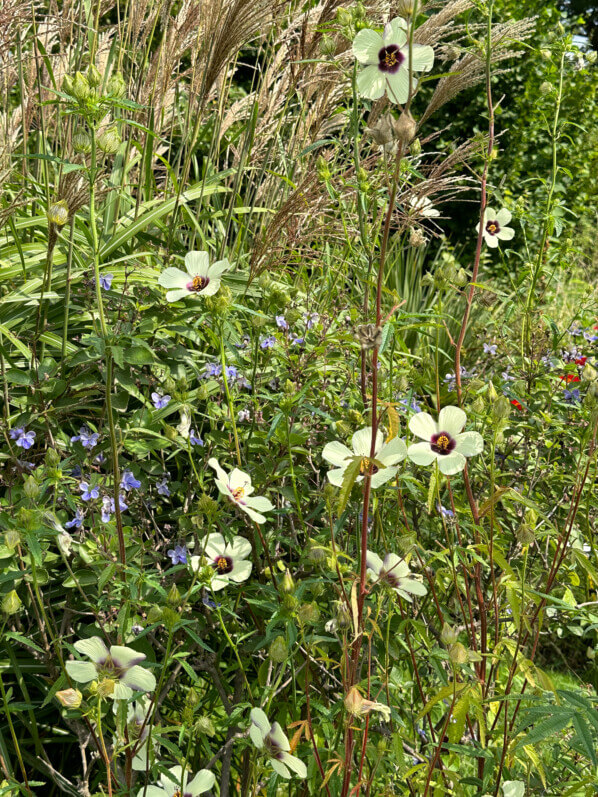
214, 545
211, 288
393, 452
173, 278
469, 444
260, 503
280, 768
382, 476
125, 657
213, 463
336, 453
366, 46
451, 420
423, 425
279, 737
503, 217
422, 57
139, 679
240, 548
371, 83
218, 268
241, 571
81, 671
261, 722
336, 476
197, 263
362, 441
93, 648
293, 763
451, 463
398, 84
252, 513
177, 295
373, 562
421, 454
395, 32
505, 234
202, 782
491, 240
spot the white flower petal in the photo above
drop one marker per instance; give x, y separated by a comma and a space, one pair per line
336, 476
278, 735
362, 441
394, 564
219, 582
177, 295
503, 217
395, 32
451, 420
121, 691
366, 46
373, 562
93, 648
489, 214
197, 263
214, 545
150, 791
238, 479
195, 563
213, 463
423, 425
382, 476
260, 720
202, 782
295, 764
218, 268
336, 453
240, 548
81, 671
421, 454
173, 278
505, 234
491, 240
125, 657
252, 513
469, 444
413, 586
280, 768
211, 288
139, 679
398, 84
240, 572
451, 463
371, 83
422, 57
393, 452
260, 502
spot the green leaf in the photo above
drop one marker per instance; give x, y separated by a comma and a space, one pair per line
351, 474
547, 728
584, 737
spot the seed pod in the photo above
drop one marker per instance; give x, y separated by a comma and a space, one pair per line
116, 87
12, 538
448, 635
80, 87
406, 128
353, 701
11, 603
278, 651
109, 141
94, 76
82, 141
58, 213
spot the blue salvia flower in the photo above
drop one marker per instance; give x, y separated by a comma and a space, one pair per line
87, 438
267, 343
212, 369
24, 439
195, 439
572, 396
106, 281
281, 322
178, 555
160, 401
88, 491
231, 372
76, 522
162, 487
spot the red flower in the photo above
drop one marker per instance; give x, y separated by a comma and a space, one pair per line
569, 378
580, 360
515, 403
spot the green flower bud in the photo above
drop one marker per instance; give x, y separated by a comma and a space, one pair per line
327, 45
105, 687
478, 405
343, 616
12, 538
278, 651
109, 141
94, 76
416, 147
461, 278
154, 615
546, 54
67, 84
11, 603
546, 88
323, 169
458, 653
52, 458
116, 87
316, 554
343, 17
591, 56
405, 8
219, 305
501, 409
169, 617
492, 394
82, 141
58, 213
448, 635
525, 534
287, 584
69, 698
289, 602
174, 597
31, 488
80, 87
308, 613
589, 374
205, 725
206, 505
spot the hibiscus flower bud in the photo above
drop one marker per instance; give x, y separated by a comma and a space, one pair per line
458, 653
11, 539
67, 84
205, 725
105, 687
448, 635
589, 374
58, 213
343, 17
327, 45
109, 141
31, 488
94, 76
11, 603
154, 615
69, 698
492, 394
525, 534
501, 408
278, 650
478, 405
80, 88
416, 147
287, 584
82, 141
116, 87
546, 88
308, 613
174, 596
405, 8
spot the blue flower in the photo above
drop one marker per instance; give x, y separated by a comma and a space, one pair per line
445, 512
24, 439
178, 555
268, 343
88, 438
490, 348
296, 341
160, 401
243, 382
231, 372
88, 491
108, 507
129, 482
212, 369
162, 487
76, 522
244, 415
590, 336
100, 458
575, 330
311, 319
572, 396
410, 405
281, 322
195, 439
106, 281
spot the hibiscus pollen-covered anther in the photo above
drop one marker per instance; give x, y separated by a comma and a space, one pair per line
198, 283
390, 58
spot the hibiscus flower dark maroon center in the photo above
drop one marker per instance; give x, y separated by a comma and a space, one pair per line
223, 564
198, 284
364, 467
493, 227
442, 443
390, 58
